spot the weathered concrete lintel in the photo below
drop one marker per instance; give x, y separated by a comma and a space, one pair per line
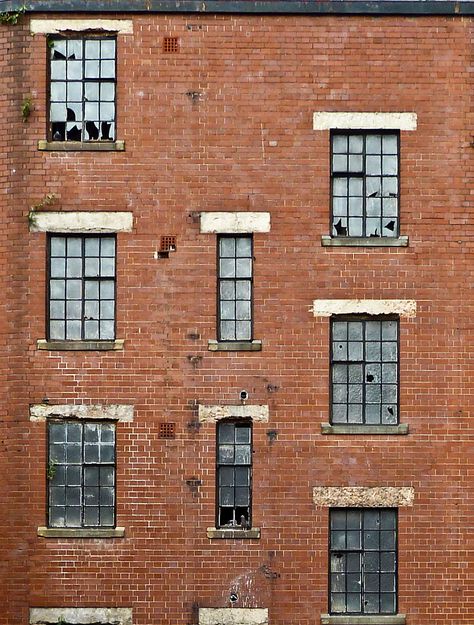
81, 221
233, 616
81, 146
210, 414
234, 346
330, 120
80, 346
361, 496
51, 27
366, 619
234, 222
329, 307
213, 532
118, 412
79, 532
80, 616
363, 429
329, 241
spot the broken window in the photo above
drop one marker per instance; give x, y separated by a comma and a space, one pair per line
363, 561
82, 89
235, 288
364, 171
81, 474
81, 287
364, 370
234, 467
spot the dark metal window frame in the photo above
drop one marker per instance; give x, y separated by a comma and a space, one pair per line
236, 423
82, 465
50, 236
250, 280
362, 551
82, 37
333, 361
363, 177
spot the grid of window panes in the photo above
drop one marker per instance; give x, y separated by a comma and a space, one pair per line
235, 288
81, 474
363, 561
234, 460
81, 287
82, 89
365, 184
364, 371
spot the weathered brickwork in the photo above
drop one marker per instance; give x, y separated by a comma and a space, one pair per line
226, 124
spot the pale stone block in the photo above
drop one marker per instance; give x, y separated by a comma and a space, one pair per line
329, 307
235, 223
363, 497
233, 616
364, 121
210, 414
51, 27
80, 221
80, 616
118, 412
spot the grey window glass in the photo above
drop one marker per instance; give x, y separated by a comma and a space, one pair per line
235, 288
364, 371
234, 466
365, 183
81, 288
82, 89
363, 561
81, 474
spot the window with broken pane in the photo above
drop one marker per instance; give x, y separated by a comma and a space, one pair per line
82, 89
365, 184
364, 370
363, 561
81, 286
234, 468
81, 474
235, 288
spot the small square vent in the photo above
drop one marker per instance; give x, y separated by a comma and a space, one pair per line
167, 430
168, 244
170, 45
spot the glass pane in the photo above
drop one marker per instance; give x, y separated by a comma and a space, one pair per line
227, 268
243, 310
242, 434
244, 267
227, 290
243, 330
242, 476
227, 310
338, 519
339, 144
226, 496
244, 247
227, 247
242, 454
242, 496
226, 454
226, 476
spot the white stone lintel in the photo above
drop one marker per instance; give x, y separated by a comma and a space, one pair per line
360, 496
233, 616
51, 27
364, 121
329, 307
234, 222
210, 414
80, 616
81, 221
118, 412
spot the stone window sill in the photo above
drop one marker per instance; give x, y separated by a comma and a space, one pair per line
81, 532
80, 346
81, 146
363, 619
234, 346
213, 532
328, 241
343, 428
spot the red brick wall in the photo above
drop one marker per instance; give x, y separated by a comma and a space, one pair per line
261, 78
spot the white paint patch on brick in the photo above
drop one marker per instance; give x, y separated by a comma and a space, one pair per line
235, 223
119, 412
364, 121
329, 307
210, 414
359, 496
81, 616
80, 221
51, 27
233, 616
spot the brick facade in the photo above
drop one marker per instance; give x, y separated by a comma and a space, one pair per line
226, 124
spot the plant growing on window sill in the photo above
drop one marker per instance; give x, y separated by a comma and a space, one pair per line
11, 18
47, 200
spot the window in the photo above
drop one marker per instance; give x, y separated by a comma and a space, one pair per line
81, 287
235, 288
363, 561
81, 474
364, 370
82, 89
234, 466
364, 184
